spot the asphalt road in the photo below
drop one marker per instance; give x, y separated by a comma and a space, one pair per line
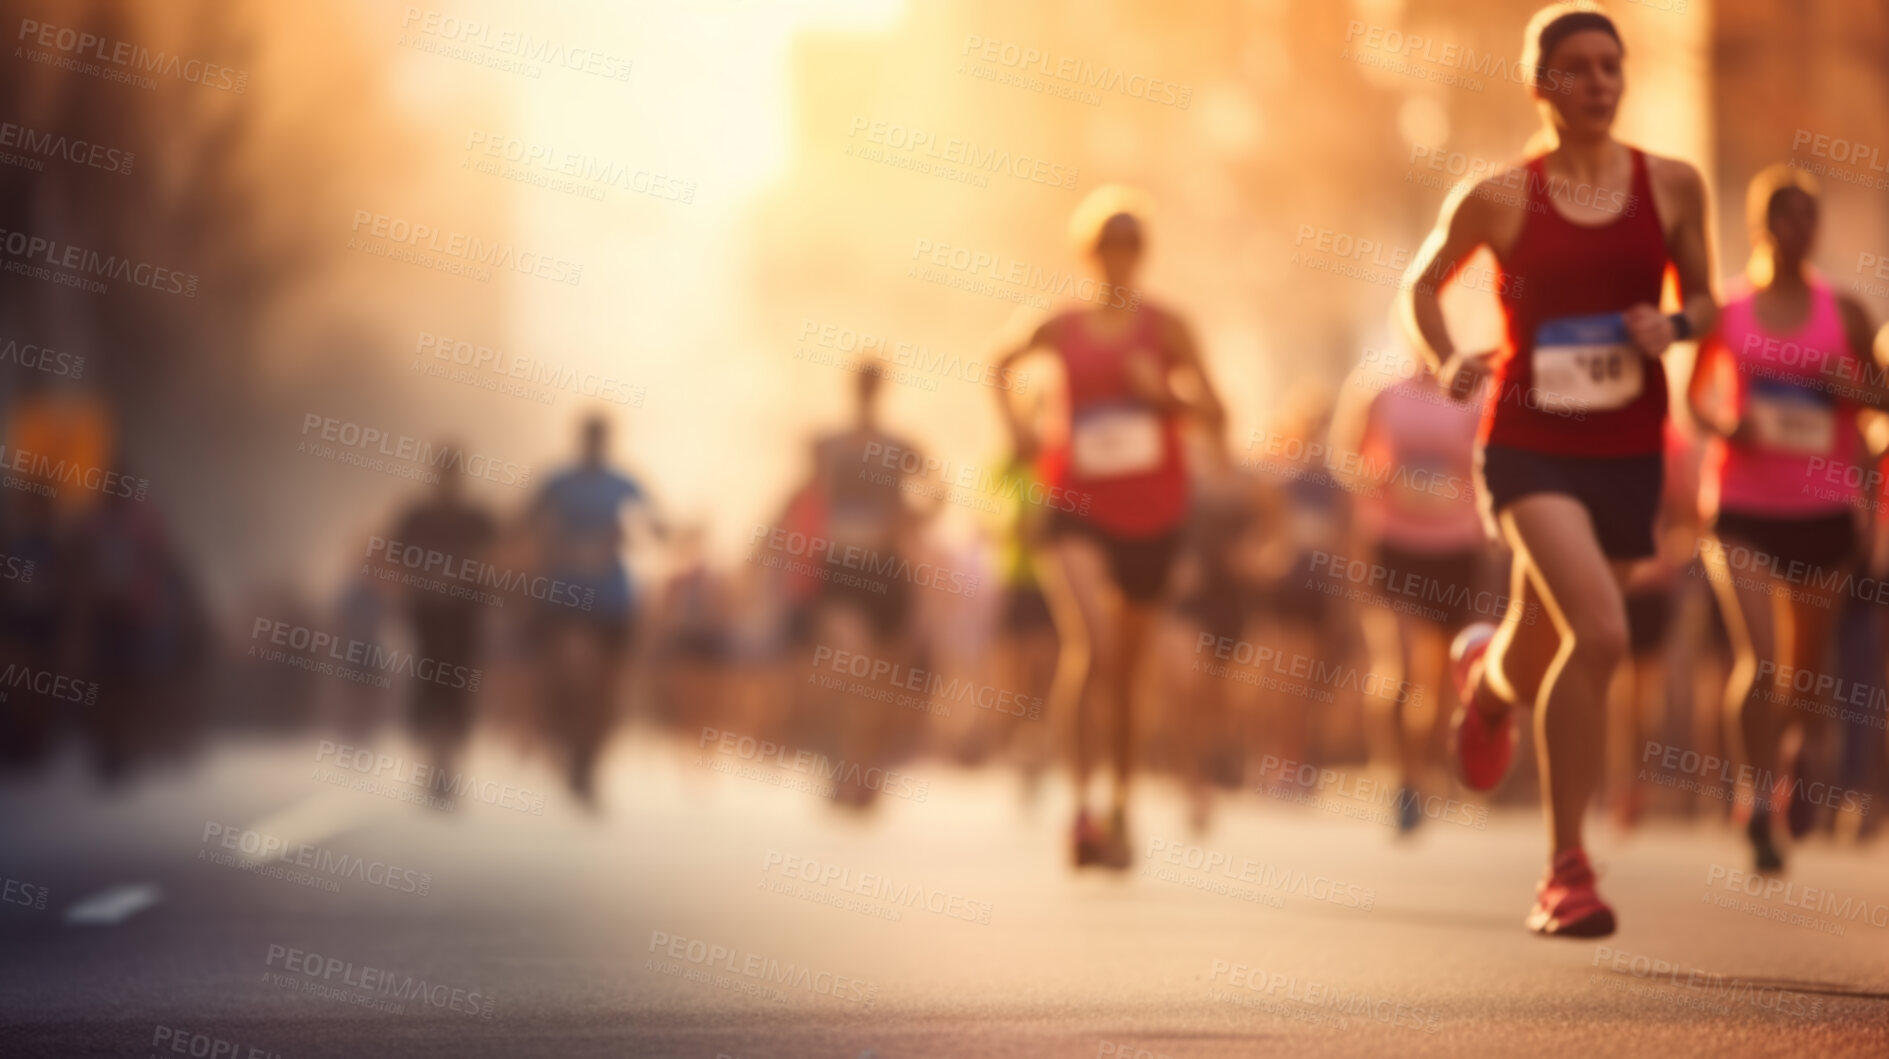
710, 913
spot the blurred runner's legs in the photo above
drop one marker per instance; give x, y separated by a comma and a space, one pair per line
1131, 372
1778, 425
1408, 449
860, 480
575, 522
1570, 462
446, 627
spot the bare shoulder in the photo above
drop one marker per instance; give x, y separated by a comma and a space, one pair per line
1855, 317
1504, 192
1675, 178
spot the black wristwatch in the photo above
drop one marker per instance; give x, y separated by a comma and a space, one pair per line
1682, 327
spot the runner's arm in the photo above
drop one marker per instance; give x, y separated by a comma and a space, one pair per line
1022, 438
1870, 387
1204, 405
1689, 247
1699, 387
1461, 230
1351, 426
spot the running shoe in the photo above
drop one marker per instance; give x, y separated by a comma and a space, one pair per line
1800, 814
1409, 813
1115, 852
1566, 903
1484, 745
1764, 851
1087, 841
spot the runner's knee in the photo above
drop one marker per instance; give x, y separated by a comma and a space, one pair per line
1600, 638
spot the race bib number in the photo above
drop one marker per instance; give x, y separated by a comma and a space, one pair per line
1585, 364
1116, 440
1793, 419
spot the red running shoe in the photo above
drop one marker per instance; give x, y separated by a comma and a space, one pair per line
1484, 745
1566, 903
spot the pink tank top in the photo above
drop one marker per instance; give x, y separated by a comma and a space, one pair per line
1418, 459
1120, 456
1801, 459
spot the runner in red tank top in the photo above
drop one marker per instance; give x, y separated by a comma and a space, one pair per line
1570, 461
1115, 493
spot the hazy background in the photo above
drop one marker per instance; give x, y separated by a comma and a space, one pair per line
700, 305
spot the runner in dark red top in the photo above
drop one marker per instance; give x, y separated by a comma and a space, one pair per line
1570, 460
1115, 491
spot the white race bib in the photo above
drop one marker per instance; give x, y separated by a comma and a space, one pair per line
1114, 441
1792, 419
1585, 364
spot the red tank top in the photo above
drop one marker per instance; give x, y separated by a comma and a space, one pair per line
1565, 283
1119, 457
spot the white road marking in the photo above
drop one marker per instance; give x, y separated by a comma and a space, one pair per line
108, 908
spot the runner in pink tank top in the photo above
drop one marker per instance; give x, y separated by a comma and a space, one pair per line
1798, 434
1115, 499
1408, 449
1780, 384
